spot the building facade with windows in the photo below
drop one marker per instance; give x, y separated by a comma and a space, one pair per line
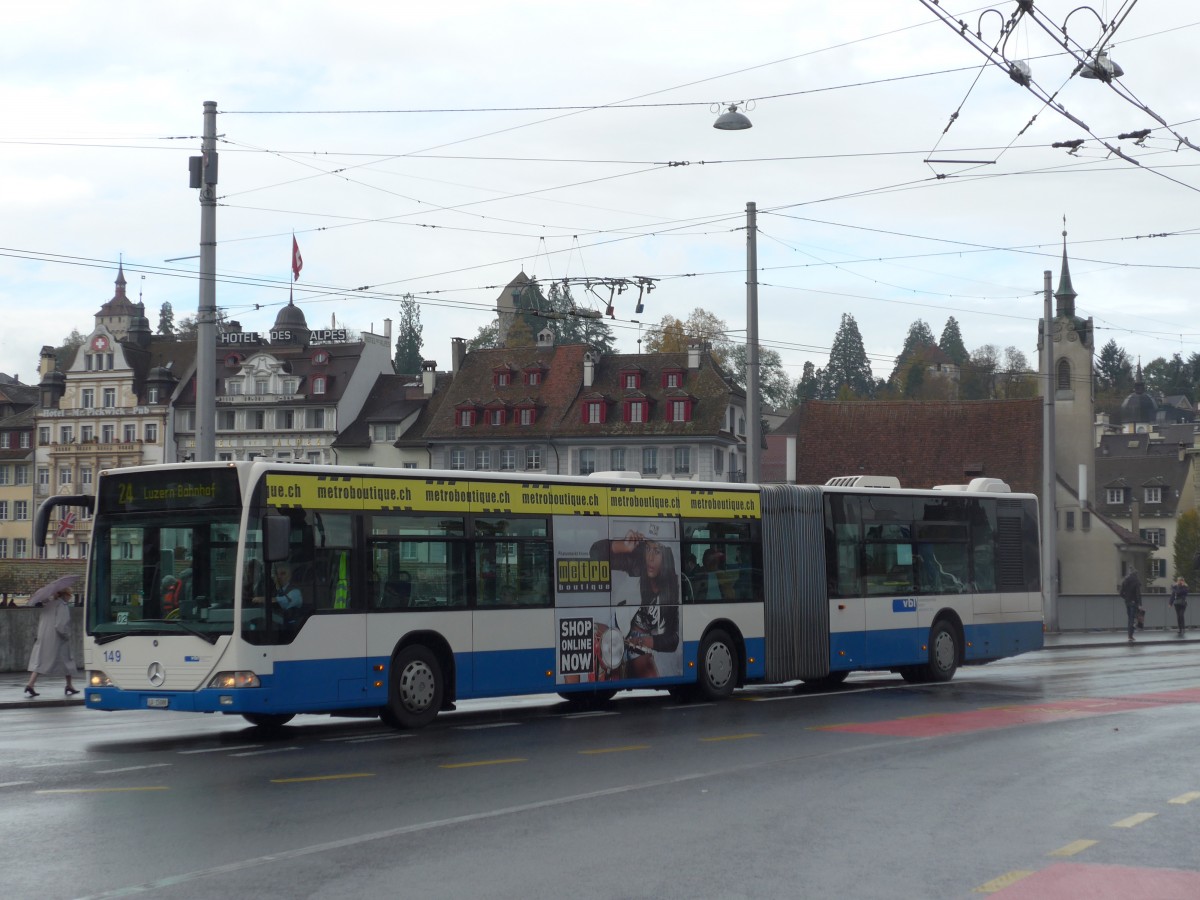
283, 395
108, 405
390, 429
17, 413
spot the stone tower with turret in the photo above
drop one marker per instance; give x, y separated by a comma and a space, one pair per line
1074, 393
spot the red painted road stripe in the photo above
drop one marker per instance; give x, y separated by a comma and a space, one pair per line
1012, 716
1103, 883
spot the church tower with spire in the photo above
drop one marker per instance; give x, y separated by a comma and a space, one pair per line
1071, 380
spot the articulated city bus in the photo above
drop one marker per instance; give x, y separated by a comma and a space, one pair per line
267, 590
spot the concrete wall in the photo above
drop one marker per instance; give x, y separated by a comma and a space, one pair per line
18, 631
1083, 613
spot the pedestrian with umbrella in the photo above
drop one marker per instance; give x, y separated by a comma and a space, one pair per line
52, 650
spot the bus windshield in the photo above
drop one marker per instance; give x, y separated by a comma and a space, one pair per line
163, 573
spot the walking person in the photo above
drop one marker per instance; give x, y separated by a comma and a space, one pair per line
1179, 592
1131, 593
52, 650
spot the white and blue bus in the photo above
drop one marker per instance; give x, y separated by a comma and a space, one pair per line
267, 590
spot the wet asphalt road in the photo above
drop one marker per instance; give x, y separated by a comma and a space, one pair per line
880, 789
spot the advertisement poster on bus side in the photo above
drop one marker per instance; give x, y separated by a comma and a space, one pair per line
617, 599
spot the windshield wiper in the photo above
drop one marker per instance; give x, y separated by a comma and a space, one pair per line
157, 625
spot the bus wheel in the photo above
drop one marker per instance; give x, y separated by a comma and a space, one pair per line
913, 674
268, 721
832, 680
416, 694
943, 652
718, 666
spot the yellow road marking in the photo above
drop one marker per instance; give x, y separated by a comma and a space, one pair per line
323, 778
731, 737
999, 884
1185, 798
1072, 848
1135, 819
614, 749
99, 790
485, 762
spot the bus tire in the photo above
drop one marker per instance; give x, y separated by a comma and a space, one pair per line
416, 688
913, 674
832, 680
943, 652
268, 721
717, 665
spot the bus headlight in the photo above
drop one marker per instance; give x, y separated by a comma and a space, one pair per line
227, 680
96, 678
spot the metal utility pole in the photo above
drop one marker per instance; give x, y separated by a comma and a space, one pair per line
753, 414
204, 176
1049, 475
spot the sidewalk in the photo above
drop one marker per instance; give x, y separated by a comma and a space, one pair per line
12, 684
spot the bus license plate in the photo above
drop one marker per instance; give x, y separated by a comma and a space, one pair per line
157, 702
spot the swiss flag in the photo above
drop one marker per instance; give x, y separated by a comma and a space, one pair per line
297, 260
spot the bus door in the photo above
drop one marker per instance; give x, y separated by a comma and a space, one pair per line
513, 605
320, 595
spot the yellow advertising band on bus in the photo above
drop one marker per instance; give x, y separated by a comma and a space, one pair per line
547, 498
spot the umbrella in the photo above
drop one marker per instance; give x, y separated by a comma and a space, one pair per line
44, 593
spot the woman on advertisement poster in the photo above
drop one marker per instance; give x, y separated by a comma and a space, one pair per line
653, 632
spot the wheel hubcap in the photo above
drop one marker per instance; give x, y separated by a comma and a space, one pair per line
718, 663
943, 651
416, 687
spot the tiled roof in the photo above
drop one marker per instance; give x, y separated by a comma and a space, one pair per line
706, 386
921, 443
1133, 461
473, 385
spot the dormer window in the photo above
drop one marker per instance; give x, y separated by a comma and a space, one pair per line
319, 384
533, 379
594, 412
635, 411
672, 378
527, 415
466, 417
1153, 495
320, 358
631, 381
233, 360
680, 410
496, 416
502, 378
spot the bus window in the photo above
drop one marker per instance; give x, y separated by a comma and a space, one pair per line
843, 537
417, 561
982, 518
720, 561
887, 544
940, 539
512, 562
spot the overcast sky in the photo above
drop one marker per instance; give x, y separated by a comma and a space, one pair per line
437, 149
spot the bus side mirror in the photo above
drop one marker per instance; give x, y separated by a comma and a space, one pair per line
276, 531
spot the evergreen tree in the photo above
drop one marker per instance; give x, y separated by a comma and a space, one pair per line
186, 328
919, 335
951, 342
1114, 373
848, 375
1187, 545
166, 319
1168, 377
573, 328
408, 338
809, 385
